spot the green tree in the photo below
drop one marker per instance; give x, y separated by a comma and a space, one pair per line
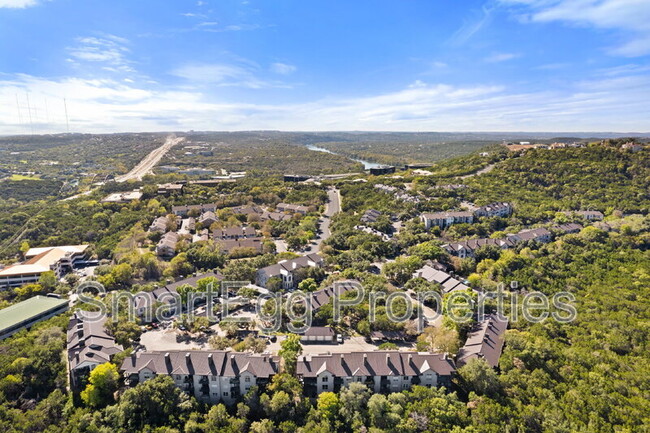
479, 377
402, 269
274, 284
328, 405
24, 247
180, 266
353, 403
102, 384
47, 280
308, 285
156, 402
290, 349
438, 339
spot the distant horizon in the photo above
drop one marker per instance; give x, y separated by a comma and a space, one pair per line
519, 134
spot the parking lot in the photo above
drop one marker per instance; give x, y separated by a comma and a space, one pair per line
350, 344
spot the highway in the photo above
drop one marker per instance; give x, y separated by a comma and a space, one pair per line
149, 162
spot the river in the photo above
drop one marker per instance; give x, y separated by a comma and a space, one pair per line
366, 164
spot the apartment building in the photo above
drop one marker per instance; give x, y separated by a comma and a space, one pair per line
485, 341
210, 376
88, 345
499, 209
234, 233
286, 270
166, 247
292, 208
446, 219
382, 371
196, 209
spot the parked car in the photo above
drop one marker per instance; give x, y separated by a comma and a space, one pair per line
339, 338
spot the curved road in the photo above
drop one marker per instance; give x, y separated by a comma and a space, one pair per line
331, 208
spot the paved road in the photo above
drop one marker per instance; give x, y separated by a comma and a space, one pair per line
480, 172
331, 208
149, 162
143, 167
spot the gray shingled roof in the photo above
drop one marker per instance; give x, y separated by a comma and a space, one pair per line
322, 297
377, 363
288, 265
88, 341
204, 363
485, 341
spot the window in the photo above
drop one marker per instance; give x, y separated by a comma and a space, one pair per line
225, 393
324, 379
406, 378
325, 387
178, 377
359, 379
405, 385
247, 379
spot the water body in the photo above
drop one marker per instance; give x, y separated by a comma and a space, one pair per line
366, 164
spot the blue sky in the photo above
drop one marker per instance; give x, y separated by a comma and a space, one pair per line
432, 65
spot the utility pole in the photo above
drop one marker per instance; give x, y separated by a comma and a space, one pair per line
29, 110
67, 122
20, 116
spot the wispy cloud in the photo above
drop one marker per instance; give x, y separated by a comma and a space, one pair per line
108, 50
17, 4
630, 17
501, 57
472, 25
225, 75
283, 68
617, 103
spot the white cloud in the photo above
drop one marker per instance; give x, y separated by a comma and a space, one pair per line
607, 103
17, 4
283, 68
108, 50
472, 26
630, 17
225, 75
501, 57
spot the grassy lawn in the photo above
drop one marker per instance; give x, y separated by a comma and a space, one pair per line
17, 177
